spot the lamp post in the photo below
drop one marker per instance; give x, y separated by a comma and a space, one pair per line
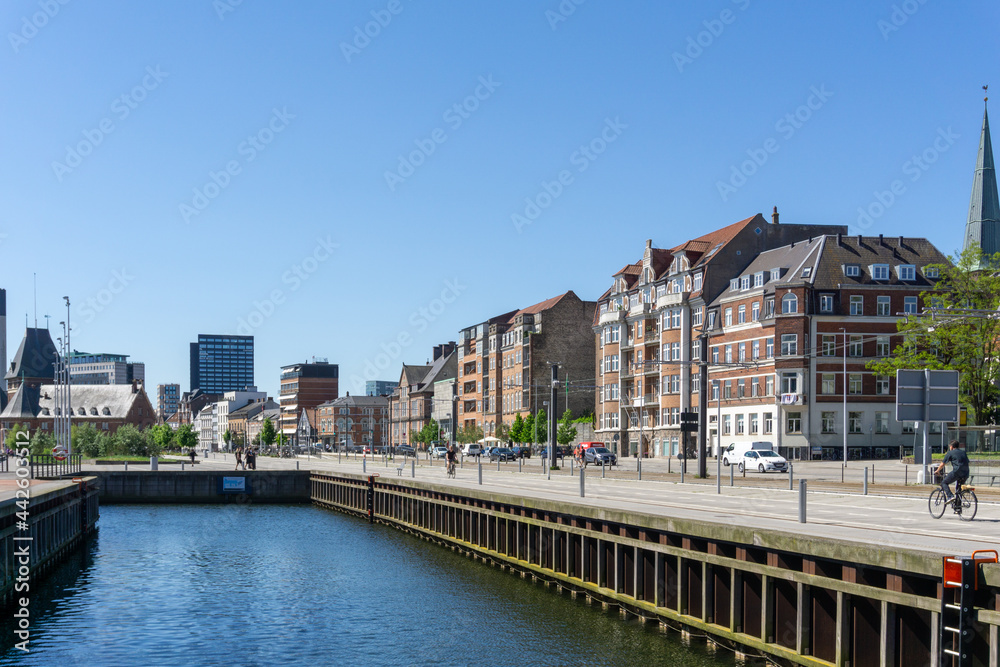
69, 401
845, 394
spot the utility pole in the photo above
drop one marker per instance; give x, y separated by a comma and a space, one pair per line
552, 416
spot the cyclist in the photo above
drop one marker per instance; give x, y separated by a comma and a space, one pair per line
450, 457
959, 468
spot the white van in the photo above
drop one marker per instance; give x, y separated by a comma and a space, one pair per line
472, 450
733, 454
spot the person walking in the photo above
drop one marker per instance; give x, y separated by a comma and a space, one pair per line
239, 458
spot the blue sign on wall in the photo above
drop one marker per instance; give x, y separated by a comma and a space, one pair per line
234, 485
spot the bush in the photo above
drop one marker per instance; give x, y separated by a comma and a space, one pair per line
130, 441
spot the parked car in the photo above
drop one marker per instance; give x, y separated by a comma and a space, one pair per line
439, 452
560, 453
733, 454
599, 456
763, 460
405, 450
472, 450
502, 454
522, 451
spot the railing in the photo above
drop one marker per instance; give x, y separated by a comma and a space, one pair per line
46, 465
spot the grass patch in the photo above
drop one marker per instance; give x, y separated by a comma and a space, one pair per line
973, 456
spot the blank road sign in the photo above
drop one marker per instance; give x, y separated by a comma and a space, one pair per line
927, 395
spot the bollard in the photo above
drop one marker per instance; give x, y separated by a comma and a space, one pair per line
718, 477
668, 464
338, 457
413, 468
296, 465
802, 501
906, 475
519, 459
364, 466
548, 472
602, 468
153, 463
498, 464
638, 468
873, 473
730, 474
126, 466
842, 466
480, 473
571, 466
865, 487
581, 481
790, 476
682, 473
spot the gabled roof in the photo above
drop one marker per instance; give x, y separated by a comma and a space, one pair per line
790, 260
24, 405
540, 307
31, 402
867, 250
357, 402
413, 374
35, 356
708, 245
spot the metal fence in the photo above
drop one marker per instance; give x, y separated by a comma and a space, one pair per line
46, 465
984, 472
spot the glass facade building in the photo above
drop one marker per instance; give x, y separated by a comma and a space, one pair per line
221, 363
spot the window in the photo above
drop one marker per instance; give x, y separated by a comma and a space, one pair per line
826, 303
789, 383
881, 422
909, 427
770, 348
931, 271
715, 354
697, 282
758, 279
696, 350
755, 311
857, 304
695, 384
727, 389
828, 384
754, 421
879, 271
793, 422
734, 284
715, 390
739, 425
854, 383
743, 352
696, 317
741, 314
852, 270
854, 422
855, 348
882, 303
829, 346
711, 320
906, 272
745, 283
768, 423
741, 388
675, 318
789, 344
755, 349
769, 386
789, 304
769, 308
729, 354
729, 317
675, 351
882, 346
910, 305
882, 384
829, 422
775, 274
726, 428
675, 384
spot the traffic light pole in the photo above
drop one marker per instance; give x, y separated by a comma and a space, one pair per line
703, 409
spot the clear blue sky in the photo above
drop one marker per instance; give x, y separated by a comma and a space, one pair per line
331, 121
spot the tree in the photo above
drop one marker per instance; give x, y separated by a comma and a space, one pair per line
131, 441
42, 442
566, 432
15, 442
470, 433
185, 437
161, 437
85, 440
267, 432
431, 432
227, 437
963, 341
528, 430
517, 430
540, 433
503, 431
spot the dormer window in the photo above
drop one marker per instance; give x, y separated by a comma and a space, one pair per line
879, 271
806, 272
697, 282
745, 283
82, 412
758, 279
734, 284
775, 274
852, 270
906, 272
106, 411
931, 271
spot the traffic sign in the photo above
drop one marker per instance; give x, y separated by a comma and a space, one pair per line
927, 396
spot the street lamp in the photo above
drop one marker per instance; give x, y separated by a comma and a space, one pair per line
718, 428
845, 394
69, 401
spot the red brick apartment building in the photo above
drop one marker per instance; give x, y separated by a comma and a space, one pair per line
354, 420
412, 401
648, 324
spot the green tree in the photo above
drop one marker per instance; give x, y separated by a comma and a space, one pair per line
431, 432
161, 437
566, 432
528, 429
503, 431
540, 429
15, 442
85, 440
42, 442
470, 433
267, 433
131, 441
961, 340
227, 437
185, 437
517, 430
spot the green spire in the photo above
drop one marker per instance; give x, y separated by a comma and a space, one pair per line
983, 226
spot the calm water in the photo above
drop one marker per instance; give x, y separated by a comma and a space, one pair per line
298, 585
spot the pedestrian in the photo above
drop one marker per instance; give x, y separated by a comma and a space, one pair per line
192, 454
239, 458
251, 460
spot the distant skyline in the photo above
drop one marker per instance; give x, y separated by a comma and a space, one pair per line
360, 181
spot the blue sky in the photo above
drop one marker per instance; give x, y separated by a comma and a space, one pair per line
221, 166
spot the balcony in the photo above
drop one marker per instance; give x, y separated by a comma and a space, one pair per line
671, 299
643, 401
793, 399
612, 316
651, 367
626, 343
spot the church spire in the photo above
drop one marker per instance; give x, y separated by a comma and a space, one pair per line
983, 226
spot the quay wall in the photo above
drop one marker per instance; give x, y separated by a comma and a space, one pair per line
796, 599
59, 515
204, 486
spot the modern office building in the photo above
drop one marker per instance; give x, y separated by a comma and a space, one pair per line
379, 387
168, 400
221, 363
303, 387
103, 368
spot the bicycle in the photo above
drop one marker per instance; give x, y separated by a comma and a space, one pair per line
964, 503
451, 469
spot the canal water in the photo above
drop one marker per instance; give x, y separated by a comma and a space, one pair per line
298, 585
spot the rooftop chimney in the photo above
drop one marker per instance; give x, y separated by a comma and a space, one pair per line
840, 239
649, 243
880, 240
860, 239
774, 215
900, 241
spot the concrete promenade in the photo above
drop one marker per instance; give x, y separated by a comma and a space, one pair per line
892, 516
